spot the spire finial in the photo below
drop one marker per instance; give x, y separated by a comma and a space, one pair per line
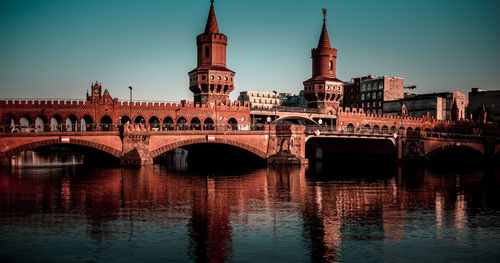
324, 14
212, 2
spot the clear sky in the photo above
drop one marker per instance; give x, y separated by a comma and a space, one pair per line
56, 48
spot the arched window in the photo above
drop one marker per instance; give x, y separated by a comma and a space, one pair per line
207, 52
331, 65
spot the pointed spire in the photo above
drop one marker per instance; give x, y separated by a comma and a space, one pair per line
212, 26
324, 40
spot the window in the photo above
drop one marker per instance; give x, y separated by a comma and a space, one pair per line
368, 96
379, 112
374, 95
331, 65
380, 103
362, 96
362, 105
207, 52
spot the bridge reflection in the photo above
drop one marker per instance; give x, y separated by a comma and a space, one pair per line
215, 211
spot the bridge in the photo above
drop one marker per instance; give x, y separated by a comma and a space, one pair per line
284, 144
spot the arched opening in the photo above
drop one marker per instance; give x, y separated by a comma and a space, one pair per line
71, 123
207, 52
168, 124
139, 120
25, 122
9, 123
393, 129
106, 123
208, 124
347, 151
350, 128
455, 156
56, 123
40, 123
181, 123
376, 129
203, 156
409, 131
401, 130
195, 124
233, 123
367, 129
124, 119
87, 123
62, 154
385, 130
417, 130
330, 65
154, 123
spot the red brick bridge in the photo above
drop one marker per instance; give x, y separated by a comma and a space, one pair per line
278, 144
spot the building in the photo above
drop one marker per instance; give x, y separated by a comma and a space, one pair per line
324, 90
292, 100
370, 92
439, 105
259, 99
491, 101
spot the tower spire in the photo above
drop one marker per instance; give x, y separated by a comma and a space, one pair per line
212, 26
324, 40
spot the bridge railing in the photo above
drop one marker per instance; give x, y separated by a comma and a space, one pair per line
100, 127
325, 129
283, 109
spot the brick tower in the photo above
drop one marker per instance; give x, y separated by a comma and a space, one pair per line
323, 90
211, 81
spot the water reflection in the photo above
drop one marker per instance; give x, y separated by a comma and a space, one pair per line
263, 215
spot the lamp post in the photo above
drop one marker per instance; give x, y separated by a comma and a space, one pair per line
130, 104
275, 93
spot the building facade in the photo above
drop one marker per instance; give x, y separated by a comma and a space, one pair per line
491, 101
371, 92
439, 105
259, 99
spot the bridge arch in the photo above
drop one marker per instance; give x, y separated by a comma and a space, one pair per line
90, 144
432, 150
452, 147
171, 146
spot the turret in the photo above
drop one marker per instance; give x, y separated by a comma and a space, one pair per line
323, 90
211, 81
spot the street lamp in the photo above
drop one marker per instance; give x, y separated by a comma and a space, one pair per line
275, 93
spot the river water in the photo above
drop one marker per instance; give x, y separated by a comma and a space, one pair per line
364, 213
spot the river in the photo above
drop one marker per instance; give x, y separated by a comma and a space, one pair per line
360, 213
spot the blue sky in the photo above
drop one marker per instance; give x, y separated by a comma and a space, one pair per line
56, 48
